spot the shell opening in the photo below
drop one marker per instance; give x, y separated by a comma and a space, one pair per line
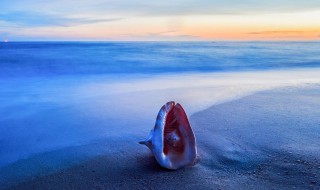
174, 142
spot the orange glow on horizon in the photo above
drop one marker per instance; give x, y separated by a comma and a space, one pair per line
280, 26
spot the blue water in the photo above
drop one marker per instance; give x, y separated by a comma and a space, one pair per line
55, 95
68, 58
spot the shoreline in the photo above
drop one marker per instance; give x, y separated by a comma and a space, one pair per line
46, 115
233, 152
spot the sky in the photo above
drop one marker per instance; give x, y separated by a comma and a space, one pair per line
147, 20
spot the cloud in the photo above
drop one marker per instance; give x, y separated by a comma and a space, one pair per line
32, 19
277, 32
164, 36
162, 33
203, 7
162, 8
23, 16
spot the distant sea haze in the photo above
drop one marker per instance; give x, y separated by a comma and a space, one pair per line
68, 58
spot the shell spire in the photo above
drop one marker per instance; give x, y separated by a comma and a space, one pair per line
172, 140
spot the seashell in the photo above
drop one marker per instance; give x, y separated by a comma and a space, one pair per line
172, 140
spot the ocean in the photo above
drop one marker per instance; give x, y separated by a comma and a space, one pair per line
55, 95
20, 59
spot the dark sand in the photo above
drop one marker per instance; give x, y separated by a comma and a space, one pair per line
269, 140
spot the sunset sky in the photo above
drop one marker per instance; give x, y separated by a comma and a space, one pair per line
159, 20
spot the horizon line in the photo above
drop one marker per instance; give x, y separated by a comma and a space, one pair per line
236, 40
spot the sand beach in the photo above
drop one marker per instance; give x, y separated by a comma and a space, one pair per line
267, 140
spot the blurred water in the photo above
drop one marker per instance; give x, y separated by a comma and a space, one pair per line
59, 94
57, 58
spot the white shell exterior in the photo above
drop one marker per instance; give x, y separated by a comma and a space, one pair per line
172, 140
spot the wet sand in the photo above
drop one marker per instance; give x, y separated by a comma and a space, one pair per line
268, 140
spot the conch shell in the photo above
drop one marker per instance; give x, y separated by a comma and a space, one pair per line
172, 140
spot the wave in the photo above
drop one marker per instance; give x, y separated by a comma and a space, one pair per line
70, 58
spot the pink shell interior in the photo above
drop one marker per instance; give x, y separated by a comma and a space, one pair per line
178, 134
